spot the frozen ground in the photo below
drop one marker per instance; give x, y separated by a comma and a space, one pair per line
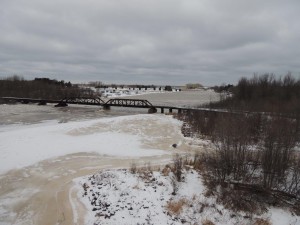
120, 197
180, 99
126, 93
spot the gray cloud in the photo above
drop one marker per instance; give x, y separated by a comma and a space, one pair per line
153, 42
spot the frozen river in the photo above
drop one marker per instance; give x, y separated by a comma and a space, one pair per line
44, 148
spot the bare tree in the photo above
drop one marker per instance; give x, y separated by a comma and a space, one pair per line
232, 141
277, 146
178, 166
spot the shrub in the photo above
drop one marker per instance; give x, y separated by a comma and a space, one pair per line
175, 207
262, 222
133, 168
178, 166
207, 222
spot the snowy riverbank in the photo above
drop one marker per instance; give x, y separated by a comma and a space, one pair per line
147, 197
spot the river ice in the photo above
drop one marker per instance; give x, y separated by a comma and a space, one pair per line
124, 136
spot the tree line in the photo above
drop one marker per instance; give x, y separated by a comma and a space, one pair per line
264, 93
39, 88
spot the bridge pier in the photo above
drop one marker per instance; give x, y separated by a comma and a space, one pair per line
170, 110
106, 107
61, 104
42, 102
162, 110
179, 111
152, 110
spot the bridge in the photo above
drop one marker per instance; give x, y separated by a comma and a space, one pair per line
131, 103
97, 101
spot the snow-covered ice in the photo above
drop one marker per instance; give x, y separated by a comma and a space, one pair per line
23, 145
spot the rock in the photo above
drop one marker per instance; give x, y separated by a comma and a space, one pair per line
99, 214
183, 221
174, 145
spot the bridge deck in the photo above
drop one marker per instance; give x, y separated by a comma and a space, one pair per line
131, 103
30, 100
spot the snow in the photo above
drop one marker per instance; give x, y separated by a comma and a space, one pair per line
120, 197
73, 205
111, 93
132, 198
282, 217
194, 186
12, 200
124, 198
23, 145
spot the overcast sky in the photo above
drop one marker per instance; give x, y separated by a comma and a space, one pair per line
149, 41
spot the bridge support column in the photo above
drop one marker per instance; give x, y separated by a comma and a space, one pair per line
170, 110
61, 104
42, 103
179, 111
162, 110
106, 107
152, 110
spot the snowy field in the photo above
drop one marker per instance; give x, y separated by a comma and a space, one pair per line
181, 99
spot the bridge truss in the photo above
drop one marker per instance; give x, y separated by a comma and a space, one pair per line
84, 100
136, 103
